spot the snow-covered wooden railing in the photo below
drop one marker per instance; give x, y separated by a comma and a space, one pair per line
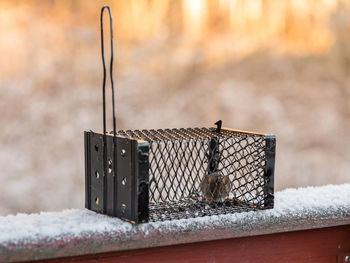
73, 233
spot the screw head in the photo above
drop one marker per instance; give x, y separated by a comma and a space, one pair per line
123, 208
347, 259
123, 181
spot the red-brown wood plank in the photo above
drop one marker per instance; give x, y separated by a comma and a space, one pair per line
318, 245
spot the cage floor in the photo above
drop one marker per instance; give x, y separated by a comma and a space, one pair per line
192, 208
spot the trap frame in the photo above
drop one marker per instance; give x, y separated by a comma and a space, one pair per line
155, 175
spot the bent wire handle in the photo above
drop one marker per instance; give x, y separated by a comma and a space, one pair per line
110, 71
104, 91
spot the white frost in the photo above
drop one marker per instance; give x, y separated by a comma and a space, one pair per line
291, 206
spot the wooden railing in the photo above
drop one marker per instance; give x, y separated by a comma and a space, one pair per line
306, 225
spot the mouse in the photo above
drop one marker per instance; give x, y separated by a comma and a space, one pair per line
215, 187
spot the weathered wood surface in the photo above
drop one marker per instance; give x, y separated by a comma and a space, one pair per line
324, 245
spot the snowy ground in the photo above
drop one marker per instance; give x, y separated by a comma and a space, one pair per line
295, 209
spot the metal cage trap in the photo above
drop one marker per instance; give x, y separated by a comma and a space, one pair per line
164, 174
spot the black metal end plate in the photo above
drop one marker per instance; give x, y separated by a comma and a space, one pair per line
118, 187
270, 152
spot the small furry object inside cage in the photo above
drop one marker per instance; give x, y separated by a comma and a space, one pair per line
215, 187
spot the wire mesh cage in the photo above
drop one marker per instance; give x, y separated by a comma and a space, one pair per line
165, 174
179, 173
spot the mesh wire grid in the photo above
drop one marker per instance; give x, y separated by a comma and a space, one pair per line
181, 181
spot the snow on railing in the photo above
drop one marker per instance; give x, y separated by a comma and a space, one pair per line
78, 232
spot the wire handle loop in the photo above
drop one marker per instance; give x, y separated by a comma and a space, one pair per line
110, 71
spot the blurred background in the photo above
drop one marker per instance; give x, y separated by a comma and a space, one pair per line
272, 66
